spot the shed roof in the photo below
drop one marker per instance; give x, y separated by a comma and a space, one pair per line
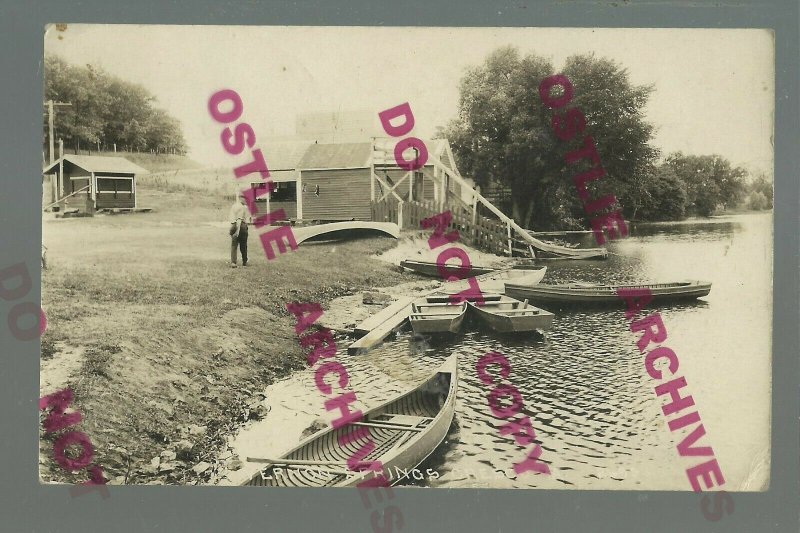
340, 155
284, 155
100, 163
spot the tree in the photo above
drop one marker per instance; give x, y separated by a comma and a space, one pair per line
661, 196
763, 186
757, 201
502, 134
711, 181
107, 110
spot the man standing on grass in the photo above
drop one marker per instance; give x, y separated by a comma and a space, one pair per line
239, 217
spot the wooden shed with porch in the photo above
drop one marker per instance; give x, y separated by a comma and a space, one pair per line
341, 181
89, 183
282, 159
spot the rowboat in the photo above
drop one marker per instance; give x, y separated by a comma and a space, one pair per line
495, 281
431, 269
588, 293
431, 316
507, 315
405, 431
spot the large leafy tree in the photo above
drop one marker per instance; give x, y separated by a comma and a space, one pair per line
661, 196
502, 135
761, 188
105, 110
711, 181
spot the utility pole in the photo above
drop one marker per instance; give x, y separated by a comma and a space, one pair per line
50, 124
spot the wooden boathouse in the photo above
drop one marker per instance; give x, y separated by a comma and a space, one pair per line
330, 182
88, 183
333, 182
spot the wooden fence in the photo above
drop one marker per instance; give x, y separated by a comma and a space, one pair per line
477, 231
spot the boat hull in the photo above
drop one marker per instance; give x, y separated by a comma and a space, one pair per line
605, 294
441, 325
501, 320
427, 412
442, 317
430, 269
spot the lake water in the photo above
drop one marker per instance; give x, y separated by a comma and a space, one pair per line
583, 383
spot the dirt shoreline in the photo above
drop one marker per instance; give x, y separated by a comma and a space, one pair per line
167, 349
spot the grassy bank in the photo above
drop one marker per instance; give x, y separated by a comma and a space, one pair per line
151, 162
164, 345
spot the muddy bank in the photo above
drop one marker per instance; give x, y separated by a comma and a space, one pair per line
166, 348
278, 432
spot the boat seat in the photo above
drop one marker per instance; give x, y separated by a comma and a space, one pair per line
396, 419
484, 297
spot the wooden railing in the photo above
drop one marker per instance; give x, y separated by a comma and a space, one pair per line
479, 232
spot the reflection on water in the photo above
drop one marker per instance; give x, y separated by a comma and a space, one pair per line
583, 384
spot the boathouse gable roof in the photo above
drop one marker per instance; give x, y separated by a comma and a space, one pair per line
99, 164
282, 155
339, 155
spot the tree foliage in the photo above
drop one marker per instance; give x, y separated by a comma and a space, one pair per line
757, 201
760, 193
502, 137
106, 110
502, 134
660, 195
711, 181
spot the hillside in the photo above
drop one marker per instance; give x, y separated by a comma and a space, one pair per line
152, 162
156, 162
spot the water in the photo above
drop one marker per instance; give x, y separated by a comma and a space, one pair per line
583, 383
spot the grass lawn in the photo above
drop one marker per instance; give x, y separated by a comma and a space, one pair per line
165, 345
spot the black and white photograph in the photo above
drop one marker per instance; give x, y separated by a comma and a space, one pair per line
508, 258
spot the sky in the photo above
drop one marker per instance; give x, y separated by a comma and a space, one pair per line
714, 88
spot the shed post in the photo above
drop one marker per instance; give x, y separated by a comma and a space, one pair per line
61, 168
435, 183
53, 188
400, 214
508, 229
372, 170
299, 195
93, 189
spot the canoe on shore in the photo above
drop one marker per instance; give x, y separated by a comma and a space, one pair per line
507, 315
495, 281
588, 293
580, 253
431, 269
405, 431
428, 316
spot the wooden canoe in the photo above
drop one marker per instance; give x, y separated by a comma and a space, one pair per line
431, 269
430, 316
507, 315
405, 431
587, 293
343, 229
495, 281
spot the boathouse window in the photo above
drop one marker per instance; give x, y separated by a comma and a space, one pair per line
282, 191
115, 185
